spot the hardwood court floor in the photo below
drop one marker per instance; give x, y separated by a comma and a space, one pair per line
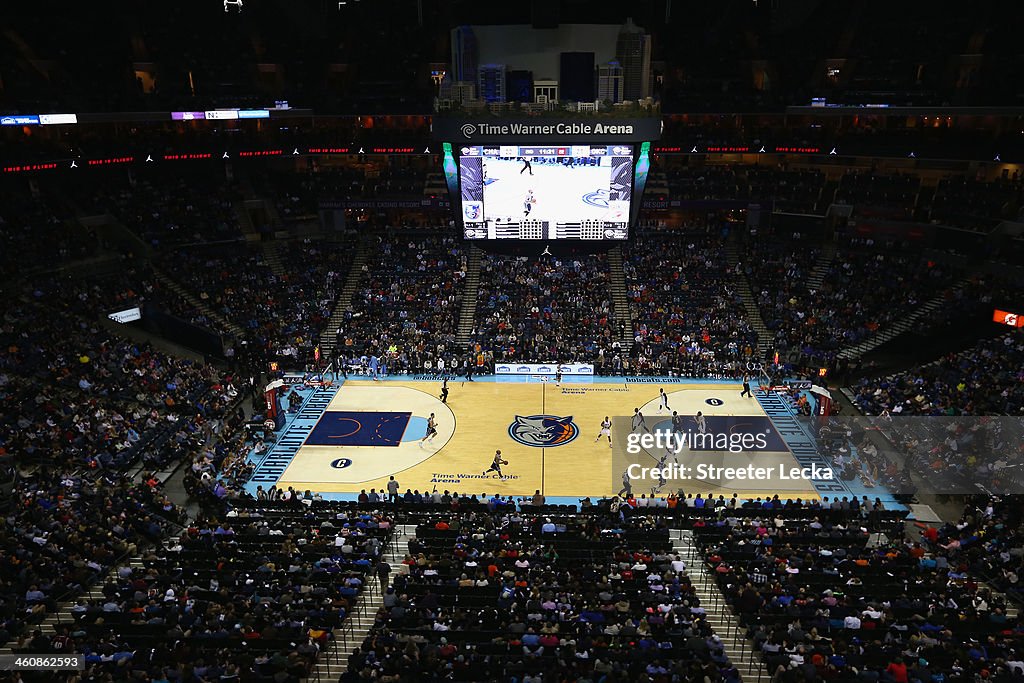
373, 430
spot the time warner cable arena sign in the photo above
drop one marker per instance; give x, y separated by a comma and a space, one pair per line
545, 130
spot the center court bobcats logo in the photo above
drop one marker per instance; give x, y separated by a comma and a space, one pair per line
543, 431
598, 198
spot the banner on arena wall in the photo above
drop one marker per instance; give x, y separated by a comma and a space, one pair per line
126, 316
568, 369
1008, 318
427, 202
598, 129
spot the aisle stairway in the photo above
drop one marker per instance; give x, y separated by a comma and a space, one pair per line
905, 324
720, 616
63, 616
349, 635
245, 223
817, 275
197, 303
467, 316
344, 302
620, 300
827, 196
335, 660
272, 256
742, 285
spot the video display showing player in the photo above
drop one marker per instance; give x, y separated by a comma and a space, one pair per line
537, 192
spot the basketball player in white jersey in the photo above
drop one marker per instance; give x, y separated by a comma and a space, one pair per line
663, 405
528, 203
638, 421
606, 430
702, 424
670, 452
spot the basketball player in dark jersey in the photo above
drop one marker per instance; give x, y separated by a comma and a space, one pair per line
496, 464
431, 430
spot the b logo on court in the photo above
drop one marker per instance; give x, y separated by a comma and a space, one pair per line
543, 431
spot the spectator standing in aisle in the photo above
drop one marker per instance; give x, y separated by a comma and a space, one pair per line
383, 574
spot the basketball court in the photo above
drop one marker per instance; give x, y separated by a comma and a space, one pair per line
365, 432
560, 194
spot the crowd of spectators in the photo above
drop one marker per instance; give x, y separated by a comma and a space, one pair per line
688, 319
822, 600
985, 379
489, 591
34, 234
216, 470
973, 203
989, 538
788, 190
504, 595
282, 314
63, 532
855, 297
406, 307
976, 204
547, 309
254, 594
877, 190
78, 396
705, 183
791, 190
299, 194
124, 284
163, 208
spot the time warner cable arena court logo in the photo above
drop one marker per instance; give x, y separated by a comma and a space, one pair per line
543, 431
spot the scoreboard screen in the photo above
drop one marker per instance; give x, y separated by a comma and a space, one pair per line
546, 192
